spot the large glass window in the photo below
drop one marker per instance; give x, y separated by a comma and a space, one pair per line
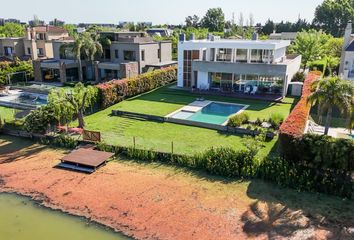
188, 57
241, 55
256, 55
224, 55
129, 56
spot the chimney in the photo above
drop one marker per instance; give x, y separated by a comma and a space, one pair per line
28, 33
347, 35
182, 37
209, 37
192, 37
255, 36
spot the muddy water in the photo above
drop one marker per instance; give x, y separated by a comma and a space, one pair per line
21, 218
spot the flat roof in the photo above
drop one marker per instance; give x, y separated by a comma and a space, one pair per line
236, 43
87, 157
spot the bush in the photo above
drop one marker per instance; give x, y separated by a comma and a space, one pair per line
39, 120
238, 120
305, 178
228, 162
275, 120
298, 77
115, 91
12, 67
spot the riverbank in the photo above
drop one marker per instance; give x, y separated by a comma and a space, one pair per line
151, 201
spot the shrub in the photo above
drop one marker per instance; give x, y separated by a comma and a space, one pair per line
238, 120
305, 178
115, 91
228, 162
12, 67
39, 120
275, 120
298, 77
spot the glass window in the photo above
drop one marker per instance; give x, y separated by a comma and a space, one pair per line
29, 51
142, 55
241, 55
40, 52
116, 54
224, 55
129, 56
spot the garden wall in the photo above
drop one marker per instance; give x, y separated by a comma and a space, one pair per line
115, 91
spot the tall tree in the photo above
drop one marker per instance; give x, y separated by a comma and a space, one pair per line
332, 16
12, 30
330, 93
72, 102
214, 20
192, 21
93, 48
268, 27
310, 44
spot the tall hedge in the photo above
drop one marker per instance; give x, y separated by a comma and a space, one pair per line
115, 91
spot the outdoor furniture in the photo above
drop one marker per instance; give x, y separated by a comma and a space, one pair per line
247, 90
254, 90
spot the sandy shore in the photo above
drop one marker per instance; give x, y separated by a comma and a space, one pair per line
144, 202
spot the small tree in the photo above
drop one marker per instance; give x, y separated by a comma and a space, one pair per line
310, 44
330, 93
69, 103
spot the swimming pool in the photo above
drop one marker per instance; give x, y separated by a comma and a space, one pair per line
24, 99
213, 112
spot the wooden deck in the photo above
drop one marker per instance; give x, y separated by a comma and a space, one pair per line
85, 160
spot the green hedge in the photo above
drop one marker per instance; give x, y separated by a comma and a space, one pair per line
12, 67
306, 178
115, 91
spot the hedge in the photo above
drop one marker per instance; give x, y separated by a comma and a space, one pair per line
227, 162
115, 91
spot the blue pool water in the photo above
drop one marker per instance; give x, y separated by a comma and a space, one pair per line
215, 113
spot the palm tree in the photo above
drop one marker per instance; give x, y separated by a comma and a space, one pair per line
92, 47
329, 93
77, 50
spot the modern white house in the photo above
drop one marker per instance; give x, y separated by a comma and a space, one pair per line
259, 67
346, 69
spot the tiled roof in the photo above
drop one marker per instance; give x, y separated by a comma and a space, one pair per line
350, 48
51, 29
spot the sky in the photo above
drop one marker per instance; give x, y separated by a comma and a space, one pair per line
156, 11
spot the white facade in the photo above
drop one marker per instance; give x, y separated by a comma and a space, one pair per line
346, 69
202, 63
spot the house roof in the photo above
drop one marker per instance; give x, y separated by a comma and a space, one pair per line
5, 59
50, 29
350, 48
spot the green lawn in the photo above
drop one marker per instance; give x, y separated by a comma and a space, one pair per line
158, 136
7, 114
165, 100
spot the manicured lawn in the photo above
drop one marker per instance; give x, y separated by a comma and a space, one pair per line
159, 136
165, 100
7, 114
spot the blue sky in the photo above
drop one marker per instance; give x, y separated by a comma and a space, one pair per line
157, 11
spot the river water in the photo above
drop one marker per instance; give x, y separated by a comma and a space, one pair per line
21, 218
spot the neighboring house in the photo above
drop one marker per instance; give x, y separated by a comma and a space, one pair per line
130, 54
162, 32
283, 36
346, 69
236, 66
37, 44
12, 47
133, 47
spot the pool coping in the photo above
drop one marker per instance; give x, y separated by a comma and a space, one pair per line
194, 108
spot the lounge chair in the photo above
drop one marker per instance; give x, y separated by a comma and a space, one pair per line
254, 90
247, 90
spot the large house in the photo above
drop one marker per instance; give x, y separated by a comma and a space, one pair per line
236, 66
346, 69
37, 43
129, 54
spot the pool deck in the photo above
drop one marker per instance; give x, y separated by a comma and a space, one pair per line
9, 100
198, 105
